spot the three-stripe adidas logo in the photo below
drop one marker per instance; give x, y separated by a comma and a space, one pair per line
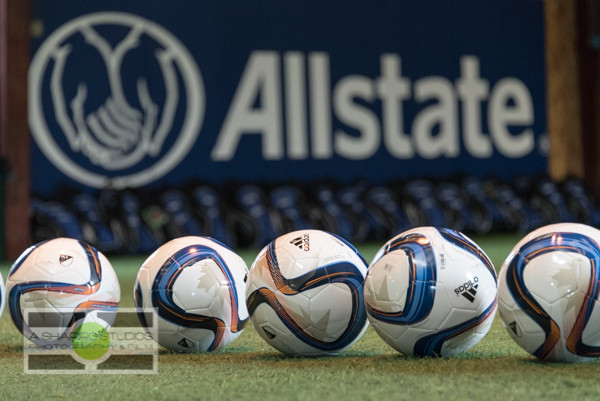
297, 242
302, 242
468, 289
470, 293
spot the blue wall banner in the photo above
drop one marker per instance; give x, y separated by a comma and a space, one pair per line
142, 93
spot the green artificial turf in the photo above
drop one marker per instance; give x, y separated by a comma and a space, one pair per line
495, 369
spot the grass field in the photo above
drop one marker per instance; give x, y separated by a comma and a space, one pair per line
495, 369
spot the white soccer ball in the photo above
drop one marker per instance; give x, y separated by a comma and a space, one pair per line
431, 292
548, 293
2, 295
59, 283
196, 287
304, 293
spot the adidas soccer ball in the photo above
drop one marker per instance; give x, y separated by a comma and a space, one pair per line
548, 293
304, 293
194, 285
63, 281
431, 292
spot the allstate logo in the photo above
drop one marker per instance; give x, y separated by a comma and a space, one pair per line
114, 99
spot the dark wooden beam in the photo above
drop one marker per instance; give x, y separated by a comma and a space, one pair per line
563, 101
588, 23
14, 128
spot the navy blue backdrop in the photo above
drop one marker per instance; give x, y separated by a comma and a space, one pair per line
145, 92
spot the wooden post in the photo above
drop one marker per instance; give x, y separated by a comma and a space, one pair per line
14, 129
589, 86
563, 101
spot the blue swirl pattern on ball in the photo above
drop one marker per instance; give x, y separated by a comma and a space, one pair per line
88, 288
552, 242
162, 294
422, 276
422, 290
343, 272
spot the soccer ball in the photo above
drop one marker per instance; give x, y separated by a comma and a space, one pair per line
431, 292
194, 286
548, 293
304, 293
63, 281
2, 295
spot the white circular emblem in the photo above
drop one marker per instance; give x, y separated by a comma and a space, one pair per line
114, 99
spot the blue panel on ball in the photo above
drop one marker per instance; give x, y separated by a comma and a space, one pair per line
551, 242
344, 272
422, 276
162, 293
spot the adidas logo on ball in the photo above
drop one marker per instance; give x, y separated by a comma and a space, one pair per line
468, 289
302, 242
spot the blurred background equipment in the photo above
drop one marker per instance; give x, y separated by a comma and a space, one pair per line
245, 122
364, 212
